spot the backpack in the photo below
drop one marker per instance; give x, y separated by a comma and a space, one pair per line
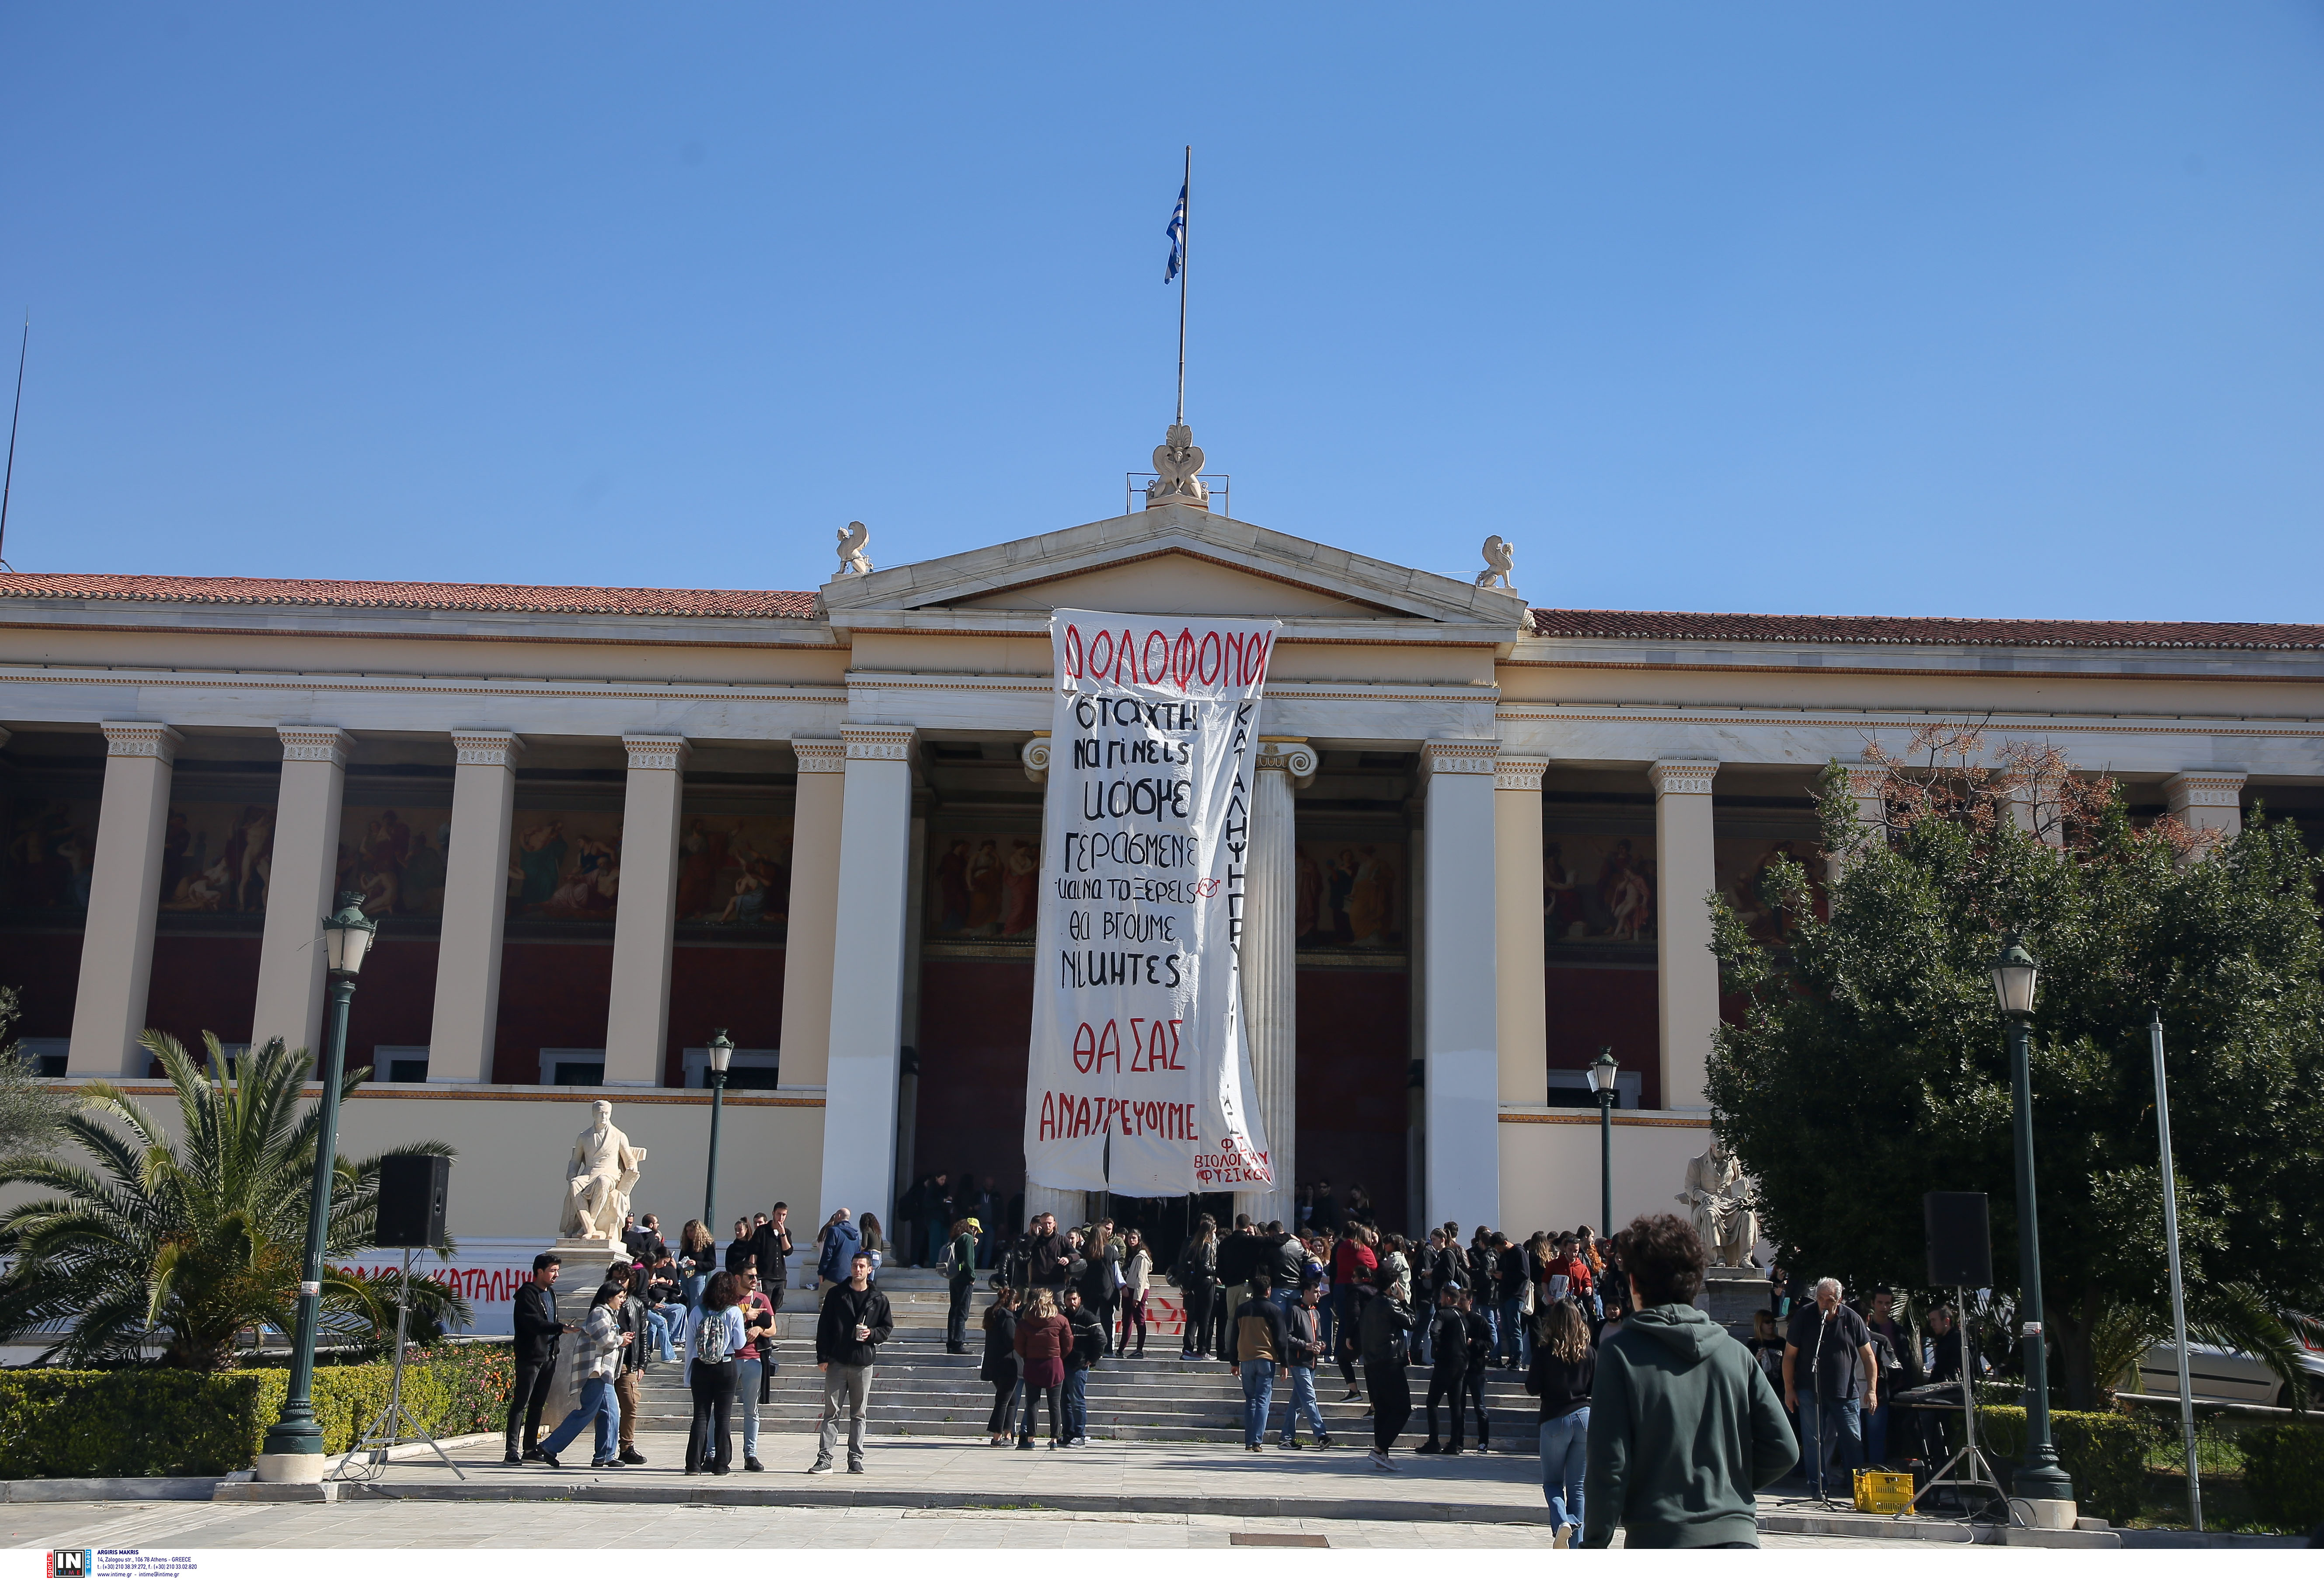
710, 1337
944, 1262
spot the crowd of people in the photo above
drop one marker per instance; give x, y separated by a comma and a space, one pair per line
1643, 1402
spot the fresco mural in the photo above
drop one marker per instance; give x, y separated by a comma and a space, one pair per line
394, 857
52, 850
1598, 888
1742, 863
735, 872
1351, 894
565, 865
216, 856
983, 883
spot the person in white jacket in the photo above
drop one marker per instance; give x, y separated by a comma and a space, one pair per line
601, 1339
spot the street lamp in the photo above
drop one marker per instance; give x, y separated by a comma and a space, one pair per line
1601, 1081
2015, 975
722, 1054
293, 1448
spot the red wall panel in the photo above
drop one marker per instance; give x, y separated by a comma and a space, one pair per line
976, 1021
44, 967
553, 995
1354, 1054
716, 985
1592, 1007
203, 984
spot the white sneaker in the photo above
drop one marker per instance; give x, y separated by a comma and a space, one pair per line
1077, 1442
1564, 1539
1380, 1461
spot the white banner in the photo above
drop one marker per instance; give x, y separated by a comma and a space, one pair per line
1140, 1078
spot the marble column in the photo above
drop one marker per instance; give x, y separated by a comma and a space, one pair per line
2208, 798
645, 919
1520, 969
1460, 1017
467, 1020
125, 890
1269, 1009
867, 984
299, 889
1687, 974
814, 914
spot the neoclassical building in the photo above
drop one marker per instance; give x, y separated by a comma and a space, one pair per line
598, 824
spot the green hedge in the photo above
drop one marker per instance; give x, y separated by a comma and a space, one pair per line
2105, 1454
2283, 1473
153, 1420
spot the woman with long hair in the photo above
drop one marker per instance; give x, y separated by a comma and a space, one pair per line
1137, 1266
697, 1259
1196, 1260
1563, 1370
602, 1340
1042, 1340
714, 1340
874, 1243
1000, 1367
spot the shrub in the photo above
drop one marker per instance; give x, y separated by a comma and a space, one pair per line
2283, 1473
2105, 1454
151, 1420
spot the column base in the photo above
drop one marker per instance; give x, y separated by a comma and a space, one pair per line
2046, 1513
291, 1469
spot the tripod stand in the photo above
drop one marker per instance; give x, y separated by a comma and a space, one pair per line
367, 1460
1976, 1470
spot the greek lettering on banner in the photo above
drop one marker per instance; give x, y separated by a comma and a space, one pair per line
1140, 1077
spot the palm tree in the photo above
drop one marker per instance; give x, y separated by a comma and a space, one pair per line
187, 1245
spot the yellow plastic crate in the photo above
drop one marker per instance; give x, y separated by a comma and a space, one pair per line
1883, 1492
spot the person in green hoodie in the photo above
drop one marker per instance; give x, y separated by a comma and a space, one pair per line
1684, 1426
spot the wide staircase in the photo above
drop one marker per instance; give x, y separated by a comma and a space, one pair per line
919, 1391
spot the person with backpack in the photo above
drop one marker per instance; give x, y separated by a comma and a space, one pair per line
957, 1262
714, 1341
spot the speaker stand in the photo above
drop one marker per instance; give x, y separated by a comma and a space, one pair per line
1975, 1470
367, 1460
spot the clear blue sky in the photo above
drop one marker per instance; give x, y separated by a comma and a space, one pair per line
1988, 309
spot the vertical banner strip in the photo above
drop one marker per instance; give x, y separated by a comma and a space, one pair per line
1137, 1032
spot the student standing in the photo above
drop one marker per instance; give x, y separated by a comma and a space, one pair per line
855, 1323
601, 1344
1448, 1376
959, 1284
1197, 1263
1259, 1345
1383, 1326
1089, 1345
714, 1337
1042, 1339
1137, 1270
1000, 1367
771, 1250
1563, 1369
538, 1331
752, 1361
1303, 1335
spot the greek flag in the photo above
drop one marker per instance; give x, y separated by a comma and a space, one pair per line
1177, 232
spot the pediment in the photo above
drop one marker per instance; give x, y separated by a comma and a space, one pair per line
1171, 560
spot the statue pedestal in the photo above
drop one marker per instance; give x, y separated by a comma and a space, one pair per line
1732, 1294
581, 1268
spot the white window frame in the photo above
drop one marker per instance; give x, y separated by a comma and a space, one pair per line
1627, 1085
551, 1058
384, 1054
697, 1062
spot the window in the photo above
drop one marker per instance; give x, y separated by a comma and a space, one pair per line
573, 1066
752, 1069
46, 1055
408, 1064
1570, 1088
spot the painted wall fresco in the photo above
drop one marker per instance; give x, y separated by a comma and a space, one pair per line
982, 884
735, 872
1351, 894
52, 851
1598, 890
565, 865
395, 858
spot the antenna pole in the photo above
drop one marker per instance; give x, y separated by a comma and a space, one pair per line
8, 483
1186, 256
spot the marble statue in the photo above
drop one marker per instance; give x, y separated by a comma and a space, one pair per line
1176, 461
1500, 560
1724, 1204
598, 1179
852, 560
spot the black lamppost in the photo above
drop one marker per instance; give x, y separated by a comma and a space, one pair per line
1601, 1081
2014, 974
346, 938
722, 1054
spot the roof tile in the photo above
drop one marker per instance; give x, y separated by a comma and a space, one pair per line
1918, 631
481, 597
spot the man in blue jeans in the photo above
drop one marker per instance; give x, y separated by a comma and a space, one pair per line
1258, 1342
1843, 1381
1304, 1348
1089, 1344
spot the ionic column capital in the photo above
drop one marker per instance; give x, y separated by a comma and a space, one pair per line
819, 754
877, 743
1519, 773
486, 748
137, 739
1289, 754
2208, 787
314, 743
1034, 754
665, 753
1683, 776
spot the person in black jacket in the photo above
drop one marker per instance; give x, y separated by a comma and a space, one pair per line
536, 1332
1448, 1342
771, 1246
1387, 1318
1482, 1337
1563, 1369
1000, 1367
855, 1323
1089, 1344
1196, 1260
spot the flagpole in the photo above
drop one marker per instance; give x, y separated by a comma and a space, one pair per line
1186, 252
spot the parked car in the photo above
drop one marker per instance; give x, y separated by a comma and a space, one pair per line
2224, 1376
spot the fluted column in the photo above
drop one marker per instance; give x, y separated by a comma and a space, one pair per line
299, 887
125, 891
1459, 1014
467, 1011
867, 980
1521, 961
645, 918
1687, 973
1270, 1015
813, 913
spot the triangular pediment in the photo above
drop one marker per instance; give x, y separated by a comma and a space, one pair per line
1171, 560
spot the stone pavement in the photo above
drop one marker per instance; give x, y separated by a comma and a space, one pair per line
370, 1524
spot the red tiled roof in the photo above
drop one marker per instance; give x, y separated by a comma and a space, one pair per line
1891, 630
481, 597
